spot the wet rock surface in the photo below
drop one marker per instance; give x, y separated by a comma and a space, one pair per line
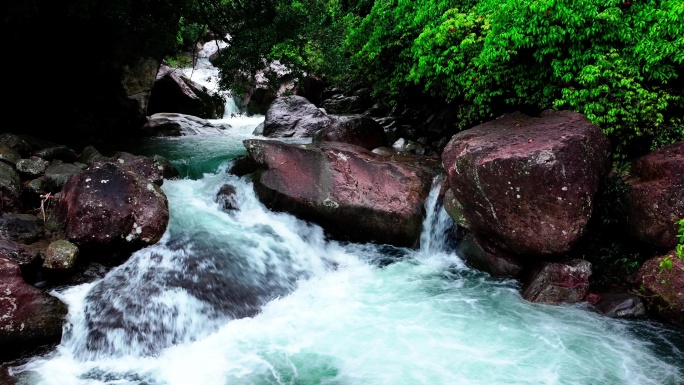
29, 318
357, 130
352, 193
527, 184
110, 206
294, 116
559, 282
656, 197
663, 288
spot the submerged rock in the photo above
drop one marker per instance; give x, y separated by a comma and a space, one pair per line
656, 197
109, 206
226, 198
29, 318
528, 184
352, 193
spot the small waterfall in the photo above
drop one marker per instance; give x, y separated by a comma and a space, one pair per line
437, 224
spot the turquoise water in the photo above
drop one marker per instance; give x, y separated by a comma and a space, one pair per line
256, 297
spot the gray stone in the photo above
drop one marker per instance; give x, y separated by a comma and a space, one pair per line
9, 189
60, 255
25, 228
9, 155
621, 305
32, 167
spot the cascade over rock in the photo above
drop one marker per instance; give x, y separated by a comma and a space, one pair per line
656, 197
352, 193
173, 92
29, 318
110, 206
527, 184
173, 124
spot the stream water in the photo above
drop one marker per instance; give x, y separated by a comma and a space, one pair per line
256, 297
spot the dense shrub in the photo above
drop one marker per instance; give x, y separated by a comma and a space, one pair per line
620, 63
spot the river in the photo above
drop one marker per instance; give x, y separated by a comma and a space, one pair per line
255, 297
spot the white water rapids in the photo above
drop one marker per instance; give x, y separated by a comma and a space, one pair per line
256, 297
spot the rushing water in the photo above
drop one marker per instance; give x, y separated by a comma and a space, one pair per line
255, 297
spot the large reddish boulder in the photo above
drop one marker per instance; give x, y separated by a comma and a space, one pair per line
356, 129
29, 318
352, 193
656, 197
110, 206
294, 116
559, 282
662, 287
527, 184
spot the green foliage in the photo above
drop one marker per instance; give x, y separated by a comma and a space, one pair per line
666, 262
618, 63
304, 36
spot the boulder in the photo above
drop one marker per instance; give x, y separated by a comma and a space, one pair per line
9, 189
358, 130
138, 81
16, 143
90, 155
9, 155
143, 166
169, 171
29, 318
20, 253
226, 198
173, 92
484, 257
356, 103
24, 228
352, 193
60, 255
172, 124
110, 206
32, 167
57, 174
5, 377
294, 116
621, 305
57, 151
663, 288
528, 184
559, 282
656, 196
